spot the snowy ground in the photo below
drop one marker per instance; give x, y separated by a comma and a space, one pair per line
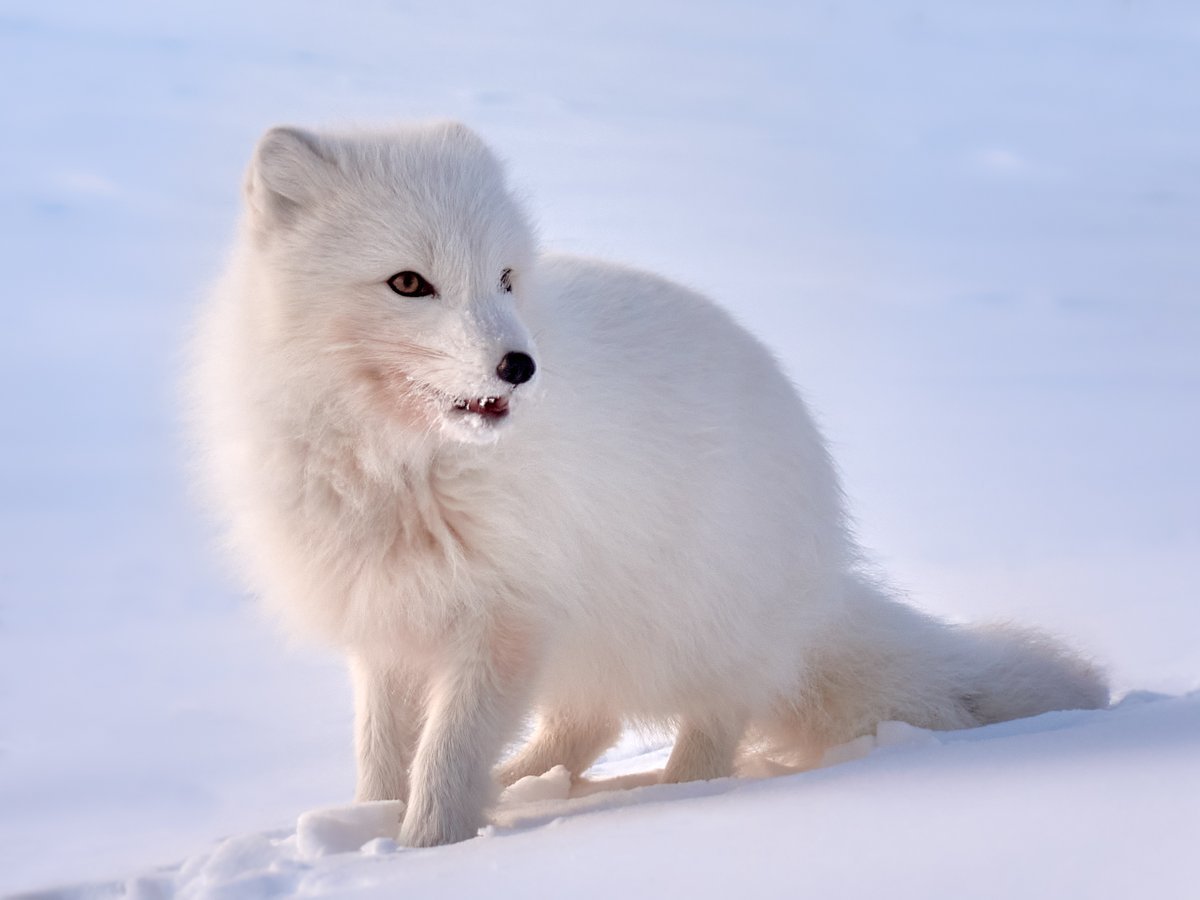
972, 233
924, 815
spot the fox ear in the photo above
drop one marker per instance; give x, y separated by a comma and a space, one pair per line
456, 132
289, 172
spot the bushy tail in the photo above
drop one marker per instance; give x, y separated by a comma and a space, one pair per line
1017, 672
884, 660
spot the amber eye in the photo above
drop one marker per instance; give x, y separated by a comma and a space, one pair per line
411, 284
506, 280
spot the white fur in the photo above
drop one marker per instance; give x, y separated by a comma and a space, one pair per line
654, 533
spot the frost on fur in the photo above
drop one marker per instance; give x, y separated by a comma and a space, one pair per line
504, 481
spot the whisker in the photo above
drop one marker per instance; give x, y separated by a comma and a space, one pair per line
389, 345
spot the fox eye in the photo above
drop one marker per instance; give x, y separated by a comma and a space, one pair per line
411, 284
506, 280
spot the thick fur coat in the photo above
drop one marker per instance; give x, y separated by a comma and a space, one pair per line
504, 481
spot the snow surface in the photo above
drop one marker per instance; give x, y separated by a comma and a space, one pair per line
970, 231
924, 815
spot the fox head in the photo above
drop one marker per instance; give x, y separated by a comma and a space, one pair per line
390, 267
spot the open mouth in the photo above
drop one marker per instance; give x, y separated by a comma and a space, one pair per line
485, 407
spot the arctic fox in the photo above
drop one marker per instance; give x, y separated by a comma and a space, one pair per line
503, 481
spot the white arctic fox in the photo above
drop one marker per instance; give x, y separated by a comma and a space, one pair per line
501, 481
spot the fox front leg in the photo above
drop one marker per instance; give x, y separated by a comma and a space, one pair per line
704, 750
563, 738
473, 707
387, 717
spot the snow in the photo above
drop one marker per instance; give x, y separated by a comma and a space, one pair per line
969, 231
922, 815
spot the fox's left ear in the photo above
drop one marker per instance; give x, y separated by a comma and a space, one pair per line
290, 170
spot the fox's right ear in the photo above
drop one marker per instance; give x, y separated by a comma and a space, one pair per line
290, 171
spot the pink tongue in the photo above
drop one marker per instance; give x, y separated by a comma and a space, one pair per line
489, 406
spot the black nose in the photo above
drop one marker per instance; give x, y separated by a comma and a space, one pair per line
516, 368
